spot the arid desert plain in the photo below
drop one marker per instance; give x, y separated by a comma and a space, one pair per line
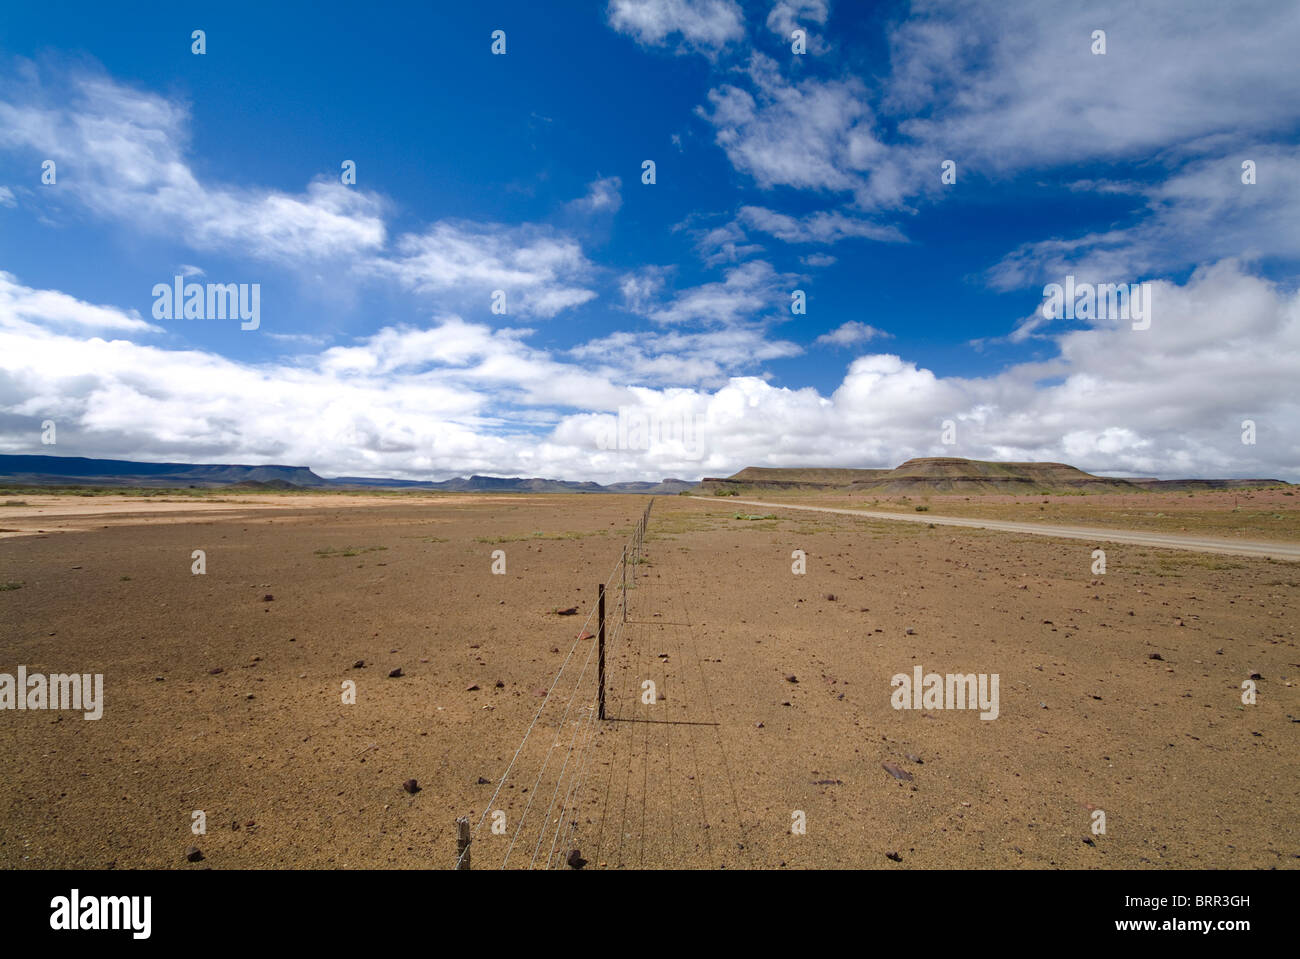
773, 728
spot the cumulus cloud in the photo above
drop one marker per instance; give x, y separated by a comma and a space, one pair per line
22, 308
851, 334
746, 291
539, 269
459, 397
702, 25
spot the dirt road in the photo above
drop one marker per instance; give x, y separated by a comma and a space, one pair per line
1199, 544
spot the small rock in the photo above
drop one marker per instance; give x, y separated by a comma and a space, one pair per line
267, 598
896, 772
894, 856
358, 664
395, 673
472, 687
914, 758
575, 860
910, 632
758, 725
215, 671
1155, 656
500, 684
411, 786
483, 782
571, 611
791, 679
193, 855
1254, 674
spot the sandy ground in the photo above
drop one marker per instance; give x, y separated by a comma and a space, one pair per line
1185, 541
222, 701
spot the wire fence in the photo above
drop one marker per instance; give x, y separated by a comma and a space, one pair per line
558, 741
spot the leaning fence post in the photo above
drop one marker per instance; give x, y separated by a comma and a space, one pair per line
625, 584
600, 661
462, 842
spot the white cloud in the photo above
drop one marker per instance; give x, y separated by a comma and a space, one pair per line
22, 308
746, 291
604, 196
459, 397
540, 269
852, 333
677, 358
703, 25
7, 197
1201, 214
127, 148
788, 15
818, 260
821, 227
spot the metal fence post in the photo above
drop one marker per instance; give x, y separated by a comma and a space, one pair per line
600, 667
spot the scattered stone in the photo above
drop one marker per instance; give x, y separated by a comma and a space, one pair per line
896, 772
830, 597
571, 611
267, 598
472, 687
894, 856
215, 671
791, 679
915, 758
1156, 656
483, 782
1254, 674
411, 786
359, 664
193, 855
159, 679
758, 725
575, 859
910, 631
500, 684
395, 673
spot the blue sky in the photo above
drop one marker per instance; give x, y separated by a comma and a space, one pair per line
378, 351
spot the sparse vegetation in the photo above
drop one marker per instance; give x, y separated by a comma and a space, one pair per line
330, 551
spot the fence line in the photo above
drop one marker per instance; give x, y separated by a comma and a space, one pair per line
631, 556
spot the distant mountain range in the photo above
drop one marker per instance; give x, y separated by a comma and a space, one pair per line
34, 470
953, 475
926, 475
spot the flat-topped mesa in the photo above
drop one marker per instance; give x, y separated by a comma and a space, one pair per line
951, 474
